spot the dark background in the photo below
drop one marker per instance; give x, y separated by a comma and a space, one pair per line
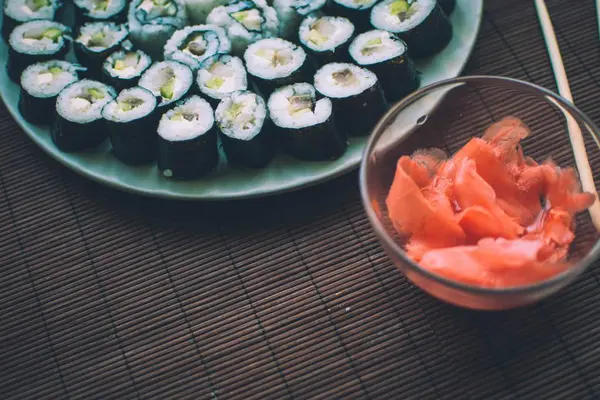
109, 295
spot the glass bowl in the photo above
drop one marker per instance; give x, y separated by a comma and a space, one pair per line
446, 115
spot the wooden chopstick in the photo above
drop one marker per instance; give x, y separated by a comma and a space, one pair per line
577, 143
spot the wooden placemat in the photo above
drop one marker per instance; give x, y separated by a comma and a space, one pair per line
107, 295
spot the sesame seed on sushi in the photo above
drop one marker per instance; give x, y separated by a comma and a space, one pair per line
356, 95
422, 24
221, 75
123, 68
131, 122
17, 12
245, 131
187, 140
304, 123
40, 85
169, 81
79, 125
35, 41
95, 42
326, 38
194, 44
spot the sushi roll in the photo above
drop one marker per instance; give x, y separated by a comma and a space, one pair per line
79, 125
385, 54
194, 44
292, 12
245, 134
100, 10
123, 68
169, 81
356, 94
17, 12
40, 85
357, 11
245, 21
35, 41
305, 124
131, 122
198, 10
153, 22
221, 75
447, 5
420, 23
95, 42
326, 38
276, 62
187, 140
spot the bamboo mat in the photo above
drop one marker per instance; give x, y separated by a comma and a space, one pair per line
105, 295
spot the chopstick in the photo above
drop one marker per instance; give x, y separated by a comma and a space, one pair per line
575, 136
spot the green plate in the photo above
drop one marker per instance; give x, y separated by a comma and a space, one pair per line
283, 174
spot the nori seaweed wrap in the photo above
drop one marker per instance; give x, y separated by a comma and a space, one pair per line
326, 38
95, 42
79, 125
447, 5
292, 12
123, 68
35, 41
356, 95
385, 54
245, 131
187, 140
17, 12
305, 124
40, 85
422, 24
131, 122
357, 11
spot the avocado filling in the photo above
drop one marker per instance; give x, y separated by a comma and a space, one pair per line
131, 60
167, 90
321, 31
53, 34
403, 9
372, 46
158, 8
35, 5
276, 57
251, 19
129, 104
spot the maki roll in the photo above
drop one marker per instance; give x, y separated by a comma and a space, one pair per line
385, 54
247, 140
420, 23
447, 5
276, 62
19, 11
245, 21
356, 95
198, 10
96, 40
326, 38
221, 75
305, 124
169, 81
194, 44
131, 122
35, 41
40, 85
187, 140
78, 124
291, 13
123, 69
357, 11
153, 22
100, 10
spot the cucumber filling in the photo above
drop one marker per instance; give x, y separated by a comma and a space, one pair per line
251, 19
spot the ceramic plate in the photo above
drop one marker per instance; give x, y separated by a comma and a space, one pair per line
283, 174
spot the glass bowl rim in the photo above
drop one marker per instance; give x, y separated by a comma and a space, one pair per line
381, 232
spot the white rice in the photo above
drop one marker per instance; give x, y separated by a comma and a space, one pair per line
25, 38
21, 10
279, 107
38, 81
158, 75
211, 40
357, 4
187, 121
75, 103
376, 46
339, 80
227, 70
113, 35
112, 7
139, 103
291, 12
198, 10
262, 22
273, 58
330, 31
248, 120
131, 69
382, 18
